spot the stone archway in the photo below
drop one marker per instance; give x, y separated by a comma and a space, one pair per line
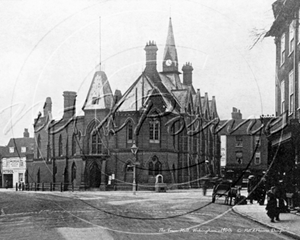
93, 174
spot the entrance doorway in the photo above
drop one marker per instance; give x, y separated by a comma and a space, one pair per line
8, 180
94, 175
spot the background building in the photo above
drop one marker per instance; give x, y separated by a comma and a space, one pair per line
245, 147
283, 132
14, 157
159, 113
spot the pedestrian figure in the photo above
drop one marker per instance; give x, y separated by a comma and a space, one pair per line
281, 195
204, 187
261, 191
273, 205
250, 188
20, 186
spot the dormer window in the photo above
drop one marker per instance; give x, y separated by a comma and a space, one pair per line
23, 149
11, 149
95, 100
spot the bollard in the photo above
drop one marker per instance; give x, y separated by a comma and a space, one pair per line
42, 187
35, 186
72, 186
16, 186
61, 186
51, 187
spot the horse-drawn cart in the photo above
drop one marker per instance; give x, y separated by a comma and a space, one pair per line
225, 189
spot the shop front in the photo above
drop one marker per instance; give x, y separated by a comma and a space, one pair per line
283, 162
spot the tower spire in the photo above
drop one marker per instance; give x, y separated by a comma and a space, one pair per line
170, 61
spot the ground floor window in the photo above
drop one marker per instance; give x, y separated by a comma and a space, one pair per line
21, 177
154, 167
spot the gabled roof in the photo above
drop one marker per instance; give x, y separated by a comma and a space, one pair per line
213, 108
198, 103
181, 96
99, 95
140, 92
206, 107
171, 80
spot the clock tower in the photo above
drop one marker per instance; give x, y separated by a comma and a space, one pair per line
170, 60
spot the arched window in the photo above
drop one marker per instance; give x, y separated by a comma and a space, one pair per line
151, 170
96, 143
73, 173
60, 146
129, 132
73, 144
38, 154
157, 168
38, 176
129, 167
154, 166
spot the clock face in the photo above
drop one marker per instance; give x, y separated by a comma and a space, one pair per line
169, 62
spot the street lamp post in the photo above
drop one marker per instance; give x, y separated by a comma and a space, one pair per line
134, 150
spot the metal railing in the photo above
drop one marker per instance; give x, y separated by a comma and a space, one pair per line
59, 186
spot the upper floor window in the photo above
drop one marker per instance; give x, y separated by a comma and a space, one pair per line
282, 91
96, 143
239, 157
60, 146
21, 163
154, 131
38, 151
129, 132
291, 91
291, 36
257, 160
238, 141
299, 26
282, 49
23, 149
11, 149
73, 144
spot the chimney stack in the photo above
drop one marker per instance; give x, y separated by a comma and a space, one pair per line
69, 104
151, 50
187, 74
236, 114
26, 133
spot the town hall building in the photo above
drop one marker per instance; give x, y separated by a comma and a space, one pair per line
161, 116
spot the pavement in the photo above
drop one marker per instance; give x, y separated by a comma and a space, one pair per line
289, 223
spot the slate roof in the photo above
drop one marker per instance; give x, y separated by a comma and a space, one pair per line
17, 143
100, 95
